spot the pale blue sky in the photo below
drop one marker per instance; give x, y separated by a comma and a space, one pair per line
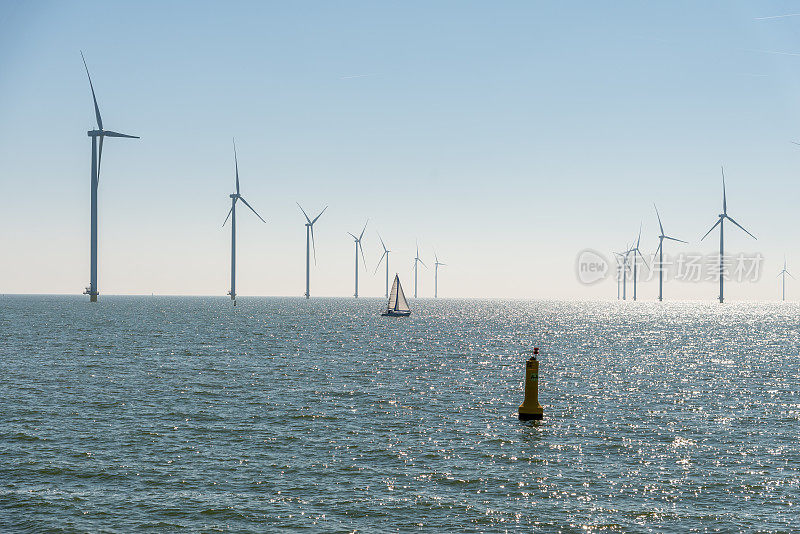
508, 136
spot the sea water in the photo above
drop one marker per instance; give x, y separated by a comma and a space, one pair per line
178, 413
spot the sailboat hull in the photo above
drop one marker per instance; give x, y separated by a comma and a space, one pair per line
396, 314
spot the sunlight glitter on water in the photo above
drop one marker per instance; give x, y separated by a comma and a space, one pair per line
171, 413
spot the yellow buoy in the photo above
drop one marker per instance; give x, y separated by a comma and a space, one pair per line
531, 409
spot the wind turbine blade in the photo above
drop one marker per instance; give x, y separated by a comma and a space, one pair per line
94, 98
304, 212
363, 230
675, 239
742, 227
794, 142
724, 196
320, 215
422, 262
638, 239
659, 220
382, 243
660, 243
790, 274
228, 215
354, 237
380, 261
251, 209
362, 254
715, 225
109, 133
236, 163
642, 256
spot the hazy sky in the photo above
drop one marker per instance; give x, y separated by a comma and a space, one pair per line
507, 136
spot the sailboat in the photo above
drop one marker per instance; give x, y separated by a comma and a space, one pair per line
398, 305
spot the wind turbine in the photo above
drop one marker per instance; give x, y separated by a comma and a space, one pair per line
386, 252
783, 274
624, 255
721, 223
660, 252
97, 156
416, 261
621, 271
310, 238
635, 250
358, 246
235, 197
436, 276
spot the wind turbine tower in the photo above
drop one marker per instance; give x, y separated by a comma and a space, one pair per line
621, 266
97, 155
416, 261
235, 197
783, 274
436, 276
721, 223
635, 250
386, 252
358, 246
310, 244
660, 252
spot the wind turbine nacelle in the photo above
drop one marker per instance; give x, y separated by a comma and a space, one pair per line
233, 195
94, 133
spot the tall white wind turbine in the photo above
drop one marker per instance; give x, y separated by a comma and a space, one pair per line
97, 155
235, 197
721, 223
385, 254
310, 241
436, 276
416, 261
635, 250
621, 270
625, 255
783, 274
358, 246
660, 252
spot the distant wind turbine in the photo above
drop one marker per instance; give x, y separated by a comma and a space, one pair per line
310, 240
783, 274
235, 197
436, 276
660, 252
635, 250
621, 271
721, 223
416, 261
97, 156
386, 252
358, 246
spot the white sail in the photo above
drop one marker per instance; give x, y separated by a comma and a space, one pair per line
400, 303
393, 294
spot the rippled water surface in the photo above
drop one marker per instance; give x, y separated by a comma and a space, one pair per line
159, 413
